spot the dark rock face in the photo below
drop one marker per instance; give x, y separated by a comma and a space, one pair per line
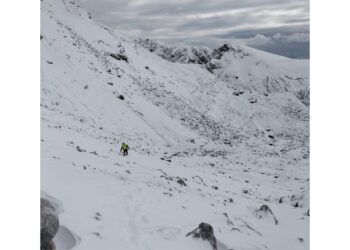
219, 52
191, 55
194, 55
51, 246
49, 225
304, 96
181, 181
120, 56
264, 211
80, 149
206, 232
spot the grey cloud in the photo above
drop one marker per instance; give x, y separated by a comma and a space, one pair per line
190, 21
248, 33
289, 49
294, 45
194, 7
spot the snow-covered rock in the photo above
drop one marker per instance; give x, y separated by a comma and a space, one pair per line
181, 53
49, 224
206, 232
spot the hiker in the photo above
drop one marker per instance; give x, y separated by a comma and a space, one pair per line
124, 148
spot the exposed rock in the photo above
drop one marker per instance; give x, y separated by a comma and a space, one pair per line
206, 232
226, 141
121, 97
168, 194
253, 100
120, 56
51, 246
181, 54
181, 181
97, 234
80, 149
228, 221
304, 96
264, 212
49, 224
245, 191
219, 52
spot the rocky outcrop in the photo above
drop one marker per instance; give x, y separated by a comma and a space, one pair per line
49, 224
264, 212
182, 53
190, 54
219, 52
206, 232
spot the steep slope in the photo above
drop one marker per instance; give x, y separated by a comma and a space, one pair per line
199, 152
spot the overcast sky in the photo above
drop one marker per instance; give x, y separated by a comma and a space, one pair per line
278, 26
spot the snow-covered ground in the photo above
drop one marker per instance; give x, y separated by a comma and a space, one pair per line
207, 144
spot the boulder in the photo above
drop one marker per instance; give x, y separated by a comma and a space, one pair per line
206, 232
49, 224
181, 181
264, 212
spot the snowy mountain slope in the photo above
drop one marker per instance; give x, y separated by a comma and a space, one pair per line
234, 151
242, 67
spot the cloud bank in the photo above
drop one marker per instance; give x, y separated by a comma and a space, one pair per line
284, 25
